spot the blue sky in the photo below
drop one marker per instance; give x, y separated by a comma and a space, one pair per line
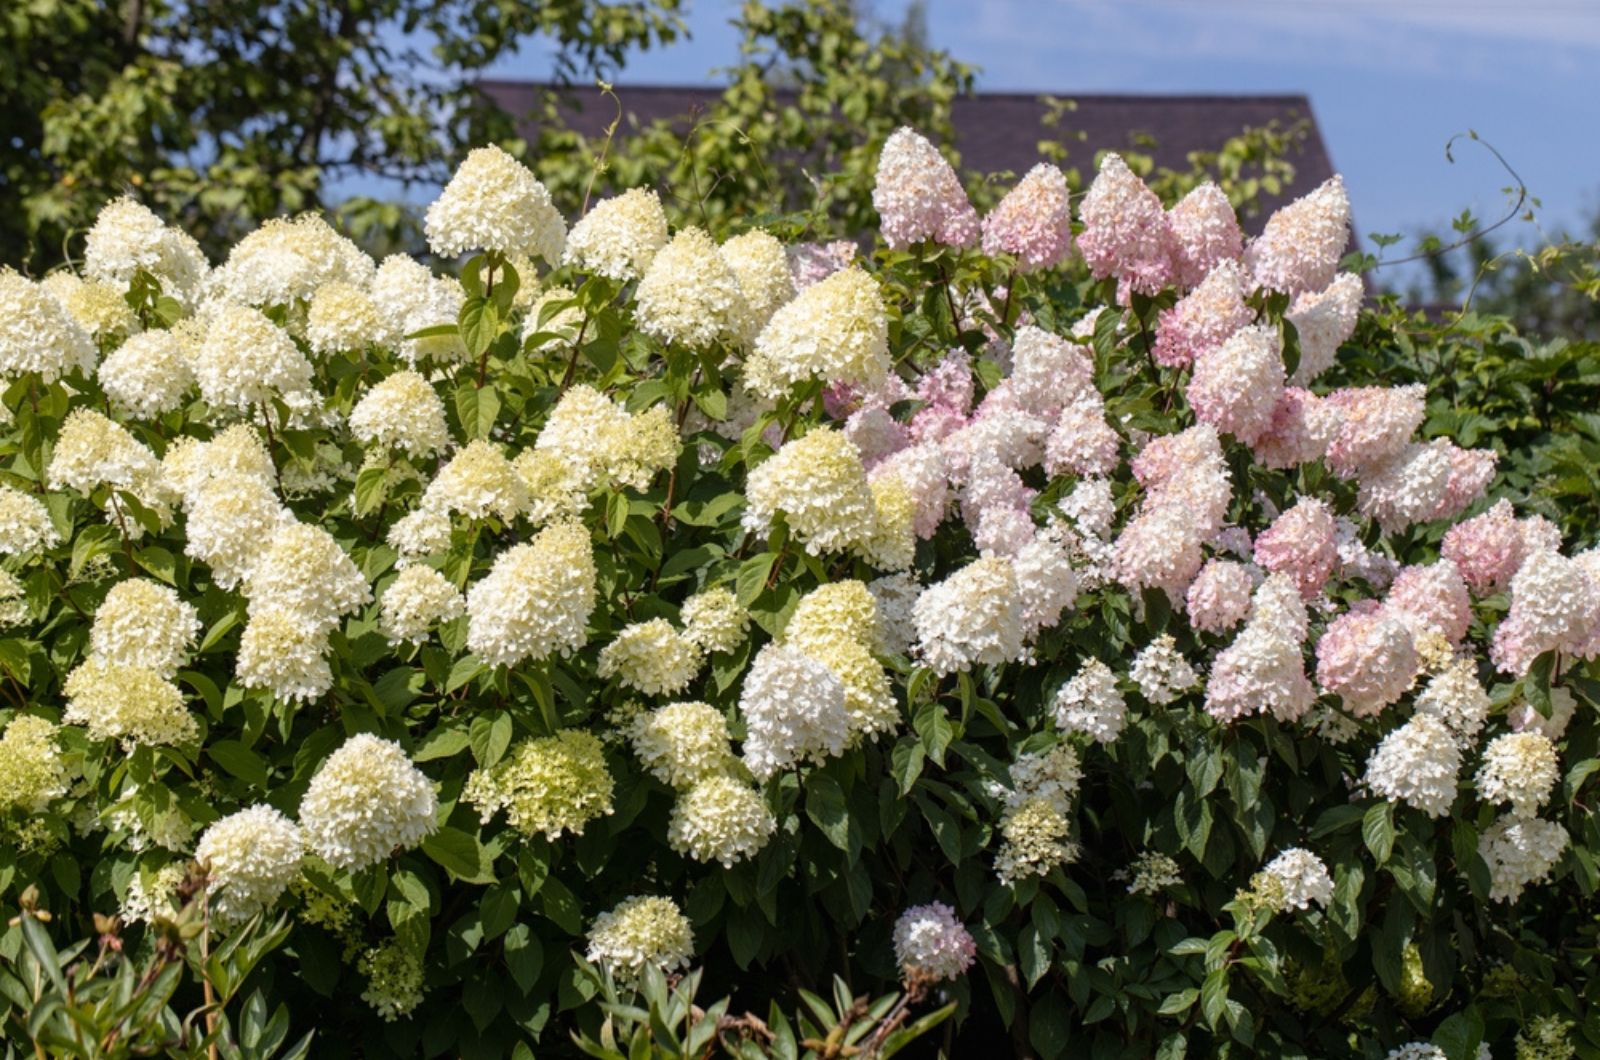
1390, 81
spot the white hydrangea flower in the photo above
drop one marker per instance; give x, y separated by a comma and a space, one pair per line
641, 932
478, 482
720, 818
820, 485
1417, 764
413, 299
140, 623
1519, 768
303, 572
345, 318
127, 703
416, 601
1520, 851
127, 238
232, 518
972, 618
1455, 697
794, 709
494, 202
715, 620
246, 361
1302, 879
1161, 671
757, 260
251, 857
620, 236
365, 801
1090, 703
835, 331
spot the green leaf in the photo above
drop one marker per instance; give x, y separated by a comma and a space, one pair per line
1377, 830
476, 409
239, 760
932, 723
825, 805
479, 323
460, 854
372, 487
752, 577
1460, 1034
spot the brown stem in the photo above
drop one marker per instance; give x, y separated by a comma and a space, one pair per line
205, 980
577, 347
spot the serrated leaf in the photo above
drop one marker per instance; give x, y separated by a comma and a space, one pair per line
1377, 830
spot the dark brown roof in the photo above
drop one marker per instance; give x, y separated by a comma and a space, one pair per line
1000, 131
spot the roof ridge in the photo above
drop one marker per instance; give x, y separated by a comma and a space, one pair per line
1029, 94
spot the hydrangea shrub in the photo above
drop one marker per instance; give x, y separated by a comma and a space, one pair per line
1049, 612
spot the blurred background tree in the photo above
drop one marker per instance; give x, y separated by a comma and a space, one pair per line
218, 113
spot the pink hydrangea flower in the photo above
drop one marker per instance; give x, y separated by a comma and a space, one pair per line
1205, 233
1367, 658
1082, 442
1555, 606
931, 944
919, 197
1432, 597
813, 262
1033, 223
921, 468
1302, 427
1300, 247
1376, 424
1487, 549
1301, 543
1219, 596
1262, 671
1235, 388
1125, 230
1203, 319
1471, 471
1049, 372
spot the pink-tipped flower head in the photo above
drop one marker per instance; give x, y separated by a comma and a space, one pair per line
1125, 230
1555, 606
919, 197
1082, 442
1376, 424
1205, 233
1323, 320
1033, 223
1408, 489
1488, 548
1367, 658
810, 263
1300, 247
1301, 543
1203, 319
1471, 471
1219, 597
1431, 598
1302, 427
931, 944
1236, 387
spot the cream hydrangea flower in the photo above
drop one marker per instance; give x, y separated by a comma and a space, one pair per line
794, 710
303, 572
140, 623
32, 771
479, 482
394, 980
620, 236
715, 620
759, 263
246, 361
365, 801
835, 331
282, 653
147, 375
689, 296
535, 600
412, 299
641, 932
494, 202
25, 524
127, 703
547, 785
402, 412
37, 334
99, 308
651, 657
819, 484
344, 318
720, 818
283, 262
416, 601
682, 742
251, 857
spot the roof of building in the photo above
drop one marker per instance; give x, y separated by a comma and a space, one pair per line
999, 131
